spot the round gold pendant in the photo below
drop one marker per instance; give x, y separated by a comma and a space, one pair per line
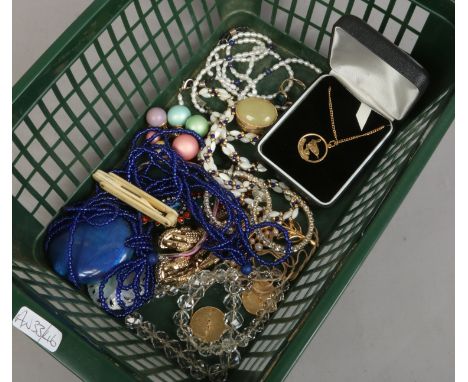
207, 324
255, 114
263, 287
254, 300
313, 148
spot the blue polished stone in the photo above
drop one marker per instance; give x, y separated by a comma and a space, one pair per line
96, 250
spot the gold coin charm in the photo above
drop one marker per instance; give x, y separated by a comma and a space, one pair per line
313, 148
254, 300
207, 324
255, 114
263, 287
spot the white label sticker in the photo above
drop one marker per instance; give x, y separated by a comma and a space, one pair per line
40, 330
362, 115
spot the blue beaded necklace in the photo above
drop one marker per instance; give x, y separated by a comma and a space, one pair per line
158, 170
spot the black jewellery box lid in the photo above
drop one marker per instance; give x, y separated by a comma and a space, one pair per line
368, 72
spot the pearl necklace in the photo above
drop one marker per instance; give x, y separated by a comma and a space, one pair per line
220, 67
234, 86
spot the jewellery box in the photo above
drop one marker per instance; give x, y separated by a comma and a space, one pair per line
339, 123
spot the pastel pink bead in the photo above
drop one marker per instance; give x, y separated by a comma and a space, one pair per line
149, 135
186, 146
156, 117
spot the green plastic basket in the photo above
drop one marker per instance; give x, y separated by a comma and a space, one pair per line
79, 105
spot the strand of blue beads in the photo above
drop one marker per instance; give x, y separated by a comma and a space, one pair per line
179, 180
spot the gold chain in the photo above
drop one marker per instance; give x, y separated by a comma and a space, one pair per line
313, 148
337, 141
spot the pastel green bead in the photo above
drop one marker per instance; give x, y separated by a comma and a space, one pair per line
198, 124
177, 115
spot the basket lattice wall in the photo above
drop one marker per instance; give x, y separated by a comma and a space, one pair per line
85, 110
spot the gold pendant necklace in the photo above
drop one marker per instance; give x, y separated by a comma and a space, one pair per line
313, 148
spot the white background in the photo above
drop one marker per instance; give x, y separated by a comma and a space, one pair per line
395, 322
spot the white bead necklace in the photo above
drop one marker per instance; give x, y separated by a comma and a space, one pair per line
221, 63
223, 67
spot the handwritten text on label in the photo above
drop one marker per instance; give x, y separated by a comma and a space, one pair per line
37, 328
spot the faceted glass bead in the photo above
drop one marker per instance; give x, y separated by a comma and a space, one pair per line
181, 334
250, 334
231, 275
172, 291
243, 340
220, 276
205, 278
181, 317
197, 293
233, 319
133, 320
185, 302
233, 288
228, 344
159, 293
233, 359
231, 302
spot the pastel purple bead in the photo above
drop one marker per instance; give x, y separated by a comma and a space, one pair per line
156, 117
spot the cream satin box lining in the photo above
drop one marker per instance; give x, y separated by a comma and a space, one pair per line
376, 72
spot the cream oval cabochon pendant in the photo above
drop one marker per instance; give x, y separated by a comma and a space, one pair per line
255, 114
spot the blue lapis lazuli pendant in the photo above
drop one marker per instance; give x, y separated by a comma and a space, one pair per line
96, 250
